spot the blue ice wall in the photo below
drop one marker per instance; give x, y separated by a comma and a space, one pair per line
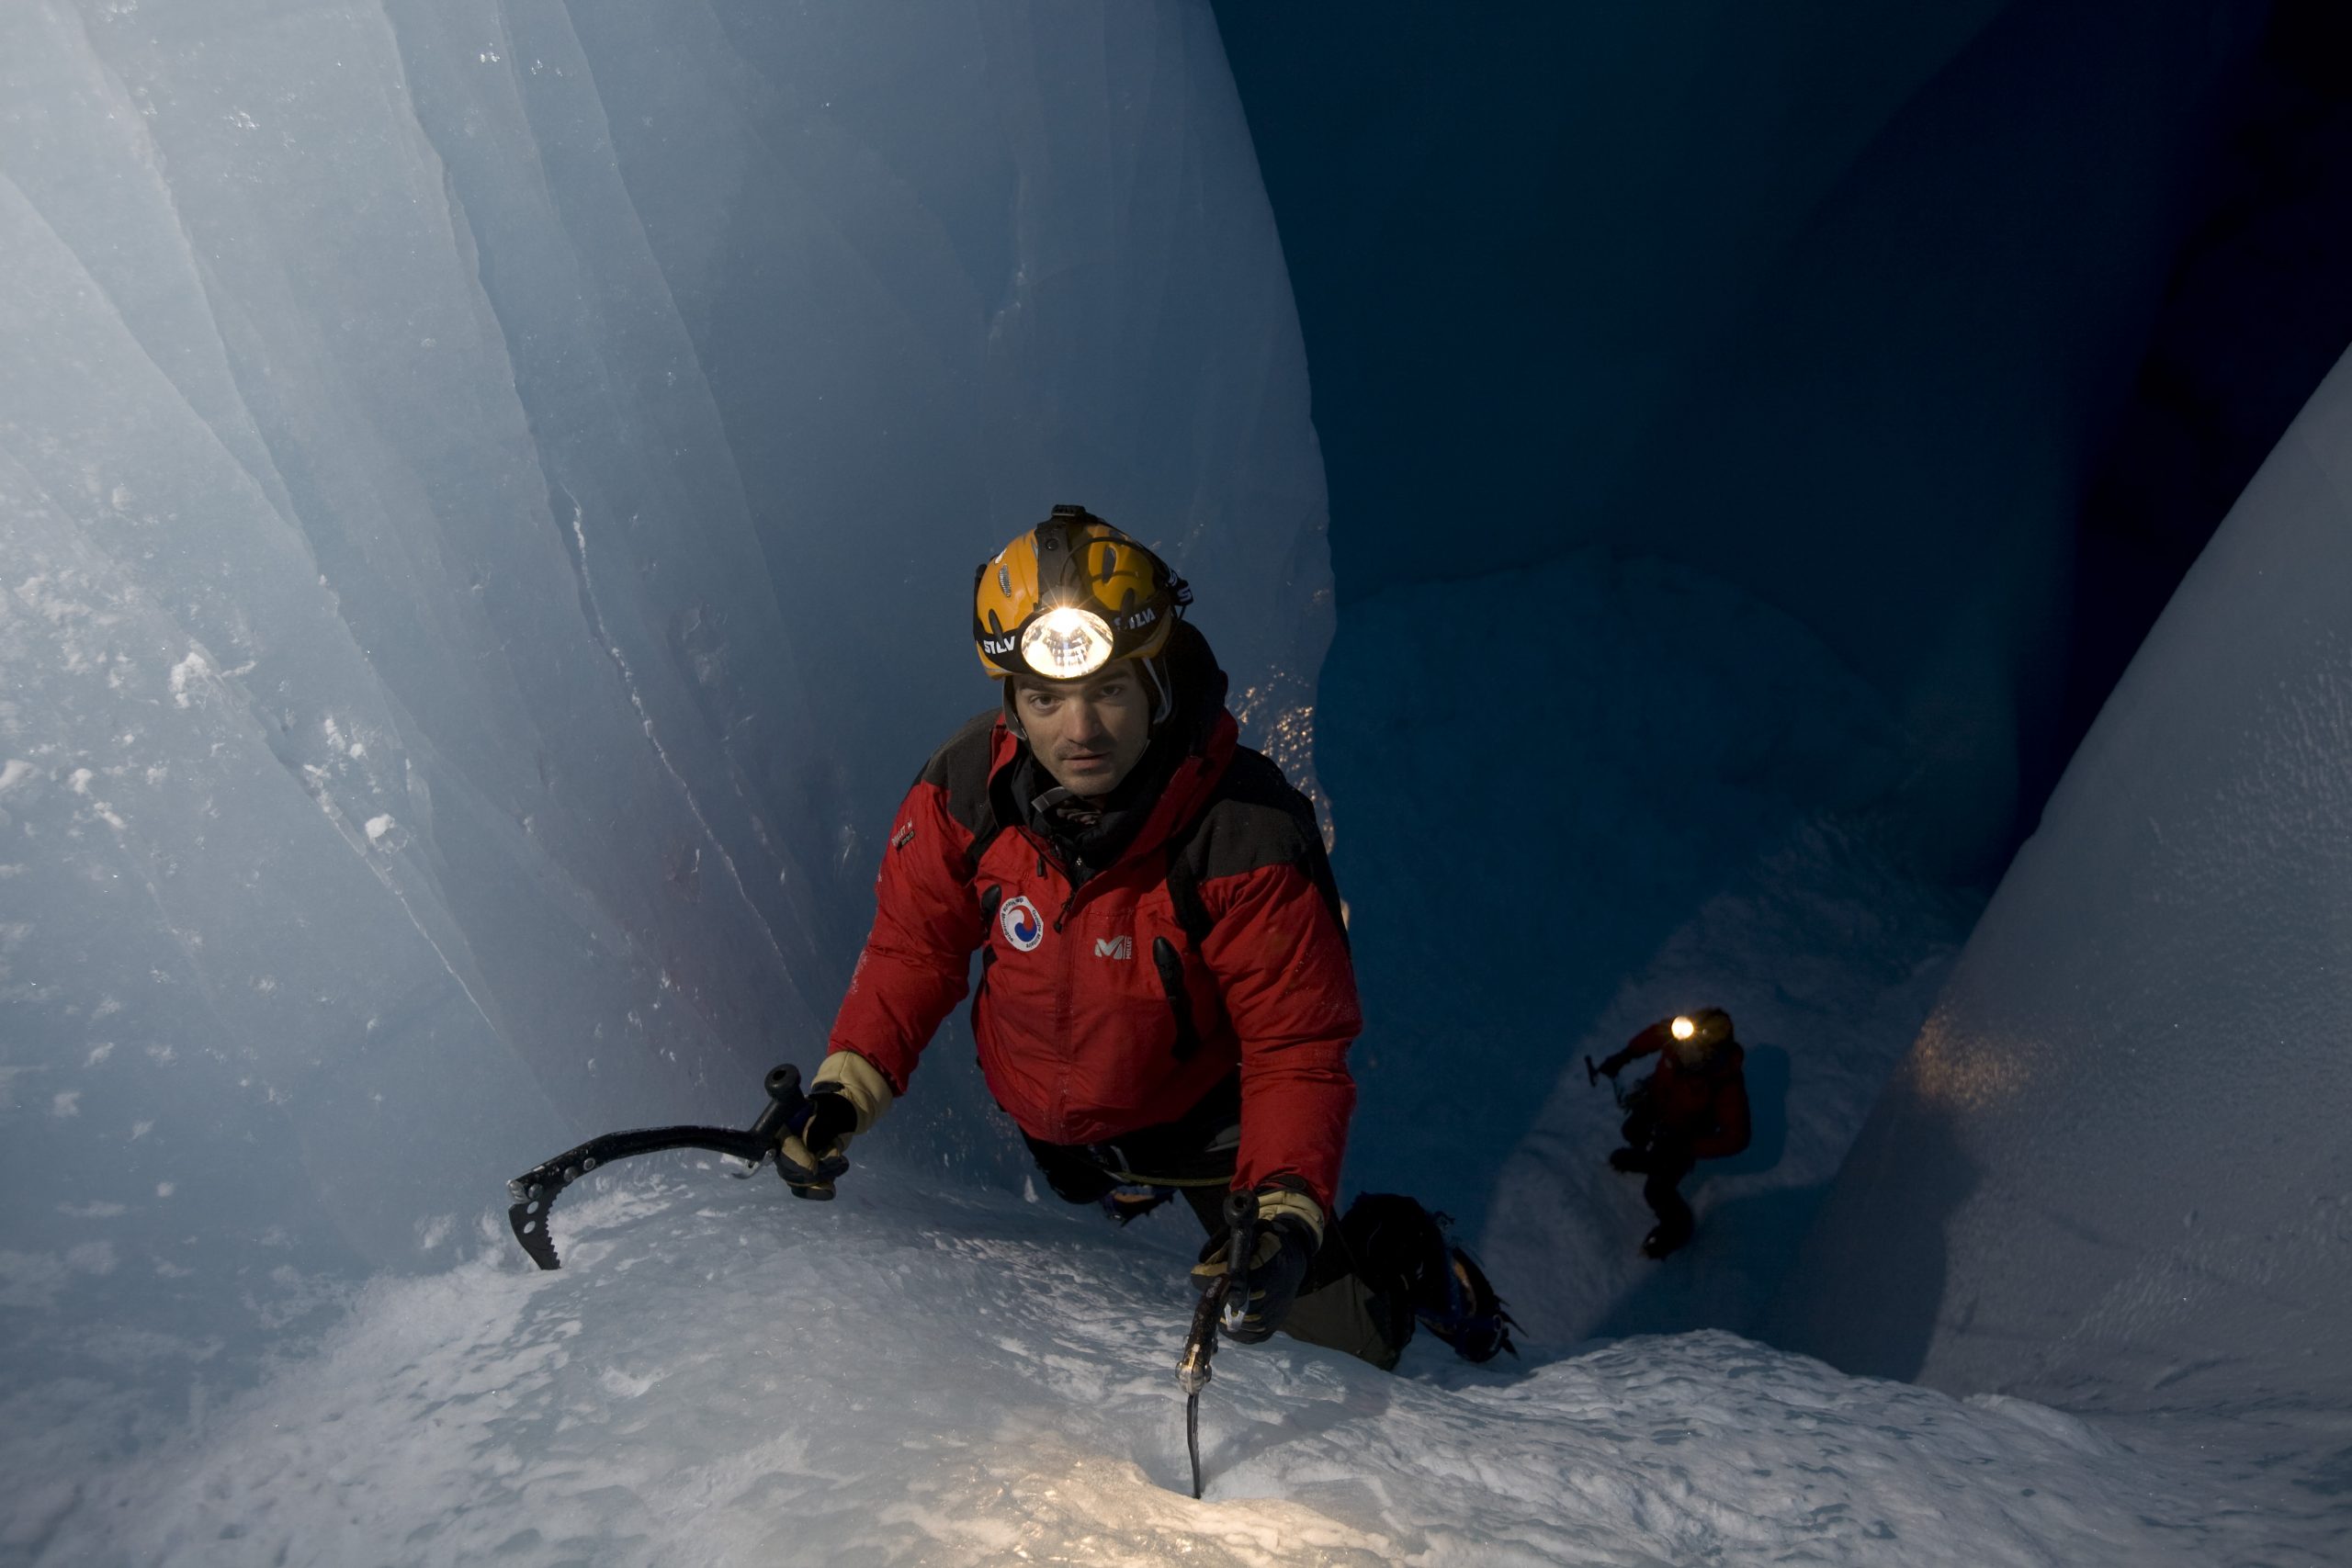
1708, 395
487, 497
1835, 302
2112, 1172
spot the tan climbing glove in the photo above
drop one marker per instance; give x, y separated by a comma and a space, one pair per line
848, 1096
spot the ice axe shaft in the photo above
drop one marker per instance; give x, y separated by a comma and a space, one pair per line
1192, 1368
1193, 1372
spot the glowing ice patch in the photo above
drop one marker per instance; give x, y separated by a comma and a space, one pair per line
1684, 1028
1067, 643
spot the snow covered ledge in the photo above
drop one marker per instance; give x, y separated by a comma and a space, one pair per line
2113, 1172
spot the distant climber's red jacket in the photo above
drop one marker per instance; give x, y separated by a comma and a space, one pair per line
1706, 1105
1079, 1038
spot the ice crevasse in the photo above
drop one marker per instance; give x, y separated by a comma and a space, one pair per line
2112, 1173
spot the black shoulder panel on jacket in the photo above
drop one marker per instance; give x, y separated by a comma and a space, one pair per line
1256, 819
959, 770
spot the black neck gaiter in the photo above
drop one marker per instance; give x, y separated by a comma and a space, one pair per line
1089, 834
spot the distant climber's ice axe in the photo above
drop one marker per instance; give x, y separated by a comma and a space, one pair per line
1200, 1346
536, 1190
1592, 1076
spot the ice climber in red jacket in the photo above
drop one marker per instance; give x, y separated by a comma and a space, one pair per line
1166, 999
1693, 1107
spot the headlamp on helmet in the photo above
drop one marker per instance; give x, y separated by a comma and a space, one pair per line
1695, 1035
1069, 596
1066, 644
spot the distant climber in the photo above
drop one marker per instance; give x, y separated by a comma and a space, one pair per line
1693, 1106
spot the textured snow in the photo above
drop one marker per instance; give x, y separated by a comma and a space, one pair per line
721, 1374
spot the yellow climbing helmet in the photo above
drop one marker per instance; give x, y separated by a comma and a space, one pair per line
1070, 595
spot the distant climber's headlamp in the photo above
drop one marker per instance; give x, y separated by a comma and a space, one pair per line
1683, 1029
1066, 644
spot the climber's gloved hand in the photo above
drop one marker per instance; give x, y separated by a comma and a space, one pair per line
811, 1159
1632, 1161
1615, 1063
847, 1097
1289, 1233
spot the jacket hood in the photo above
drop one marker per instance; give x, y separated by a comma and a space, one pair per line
1200, 685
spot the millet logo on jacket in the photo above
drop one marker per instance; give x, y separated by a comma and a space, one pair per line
1021, 925
1115, 947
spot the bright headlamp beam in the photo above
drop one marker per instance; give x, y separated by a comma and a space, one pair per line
1066, 644
1684, 1028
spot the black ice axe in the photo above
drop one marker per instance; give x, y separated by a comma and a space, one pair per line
536, 1190
1200, 1346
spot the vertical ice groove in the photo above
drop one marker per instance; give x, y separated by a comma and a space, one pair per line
756, 587
577, 533
123, 111
135, 850
356, 840
226, 680
98, 291
731, 474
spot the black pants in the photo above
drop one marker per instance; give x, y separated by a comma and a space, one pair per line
1670, 1160
1357, 1296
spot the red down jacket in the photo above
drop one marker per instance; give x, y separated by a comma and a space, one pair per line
1706, 1105
1079, 1039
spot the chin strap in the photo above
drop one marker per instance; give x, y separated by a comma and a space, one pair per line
1059, 795
1163, 690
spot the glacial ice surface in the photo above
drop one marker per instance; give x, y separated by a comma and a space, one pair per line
488, 497
2112, 1171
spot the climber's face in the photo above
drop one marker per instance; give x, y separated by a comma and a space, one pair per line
1090, 733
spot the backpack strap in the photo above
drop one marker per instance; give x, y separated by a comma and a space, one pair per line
1192, 917
1170, 968
959, 770
984, 833
1184, 887
1254, 783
